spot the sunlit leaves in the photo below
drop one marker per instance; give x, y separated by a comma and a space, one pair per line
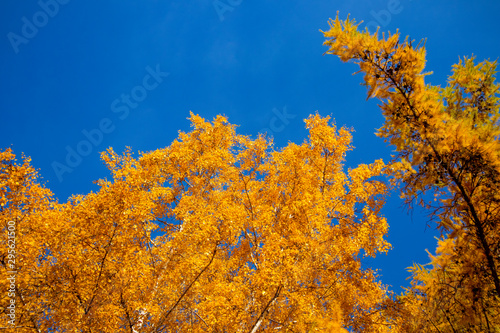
450, 138
216, 232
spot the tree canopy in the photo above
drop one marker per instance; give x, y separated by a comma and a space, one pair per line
450, 136
220, 232
216, 232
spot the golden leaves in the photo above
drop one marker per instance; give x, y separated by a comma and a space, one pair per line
447, 140
276, 219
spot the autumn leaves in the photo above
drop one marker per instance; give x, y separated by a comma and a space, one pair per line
221, 232
238, 221
450, 138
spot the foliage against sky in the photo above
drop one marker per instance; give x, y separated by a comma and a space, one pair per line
451, 137
250, 238
476, 277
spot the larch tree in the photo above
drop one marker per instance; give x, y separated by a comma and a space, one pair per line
217, 233
449, 138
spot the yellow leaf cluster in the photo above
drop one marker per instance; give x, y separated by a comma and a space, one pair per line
217, 232
448, 145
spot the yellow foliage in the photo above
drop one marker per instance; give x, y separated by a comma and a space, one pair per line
450, 137
217, 232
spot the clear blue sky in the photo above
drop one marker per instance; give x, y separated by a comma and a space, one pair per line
70, 67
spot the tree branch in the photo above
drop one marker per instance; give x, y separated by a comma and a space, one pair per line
160, 325
257, 324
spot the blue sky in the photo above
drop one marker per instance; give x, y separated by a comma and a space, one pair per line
127, 73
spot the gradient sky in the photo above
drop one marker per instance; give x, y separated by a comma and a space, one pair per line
68, 66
